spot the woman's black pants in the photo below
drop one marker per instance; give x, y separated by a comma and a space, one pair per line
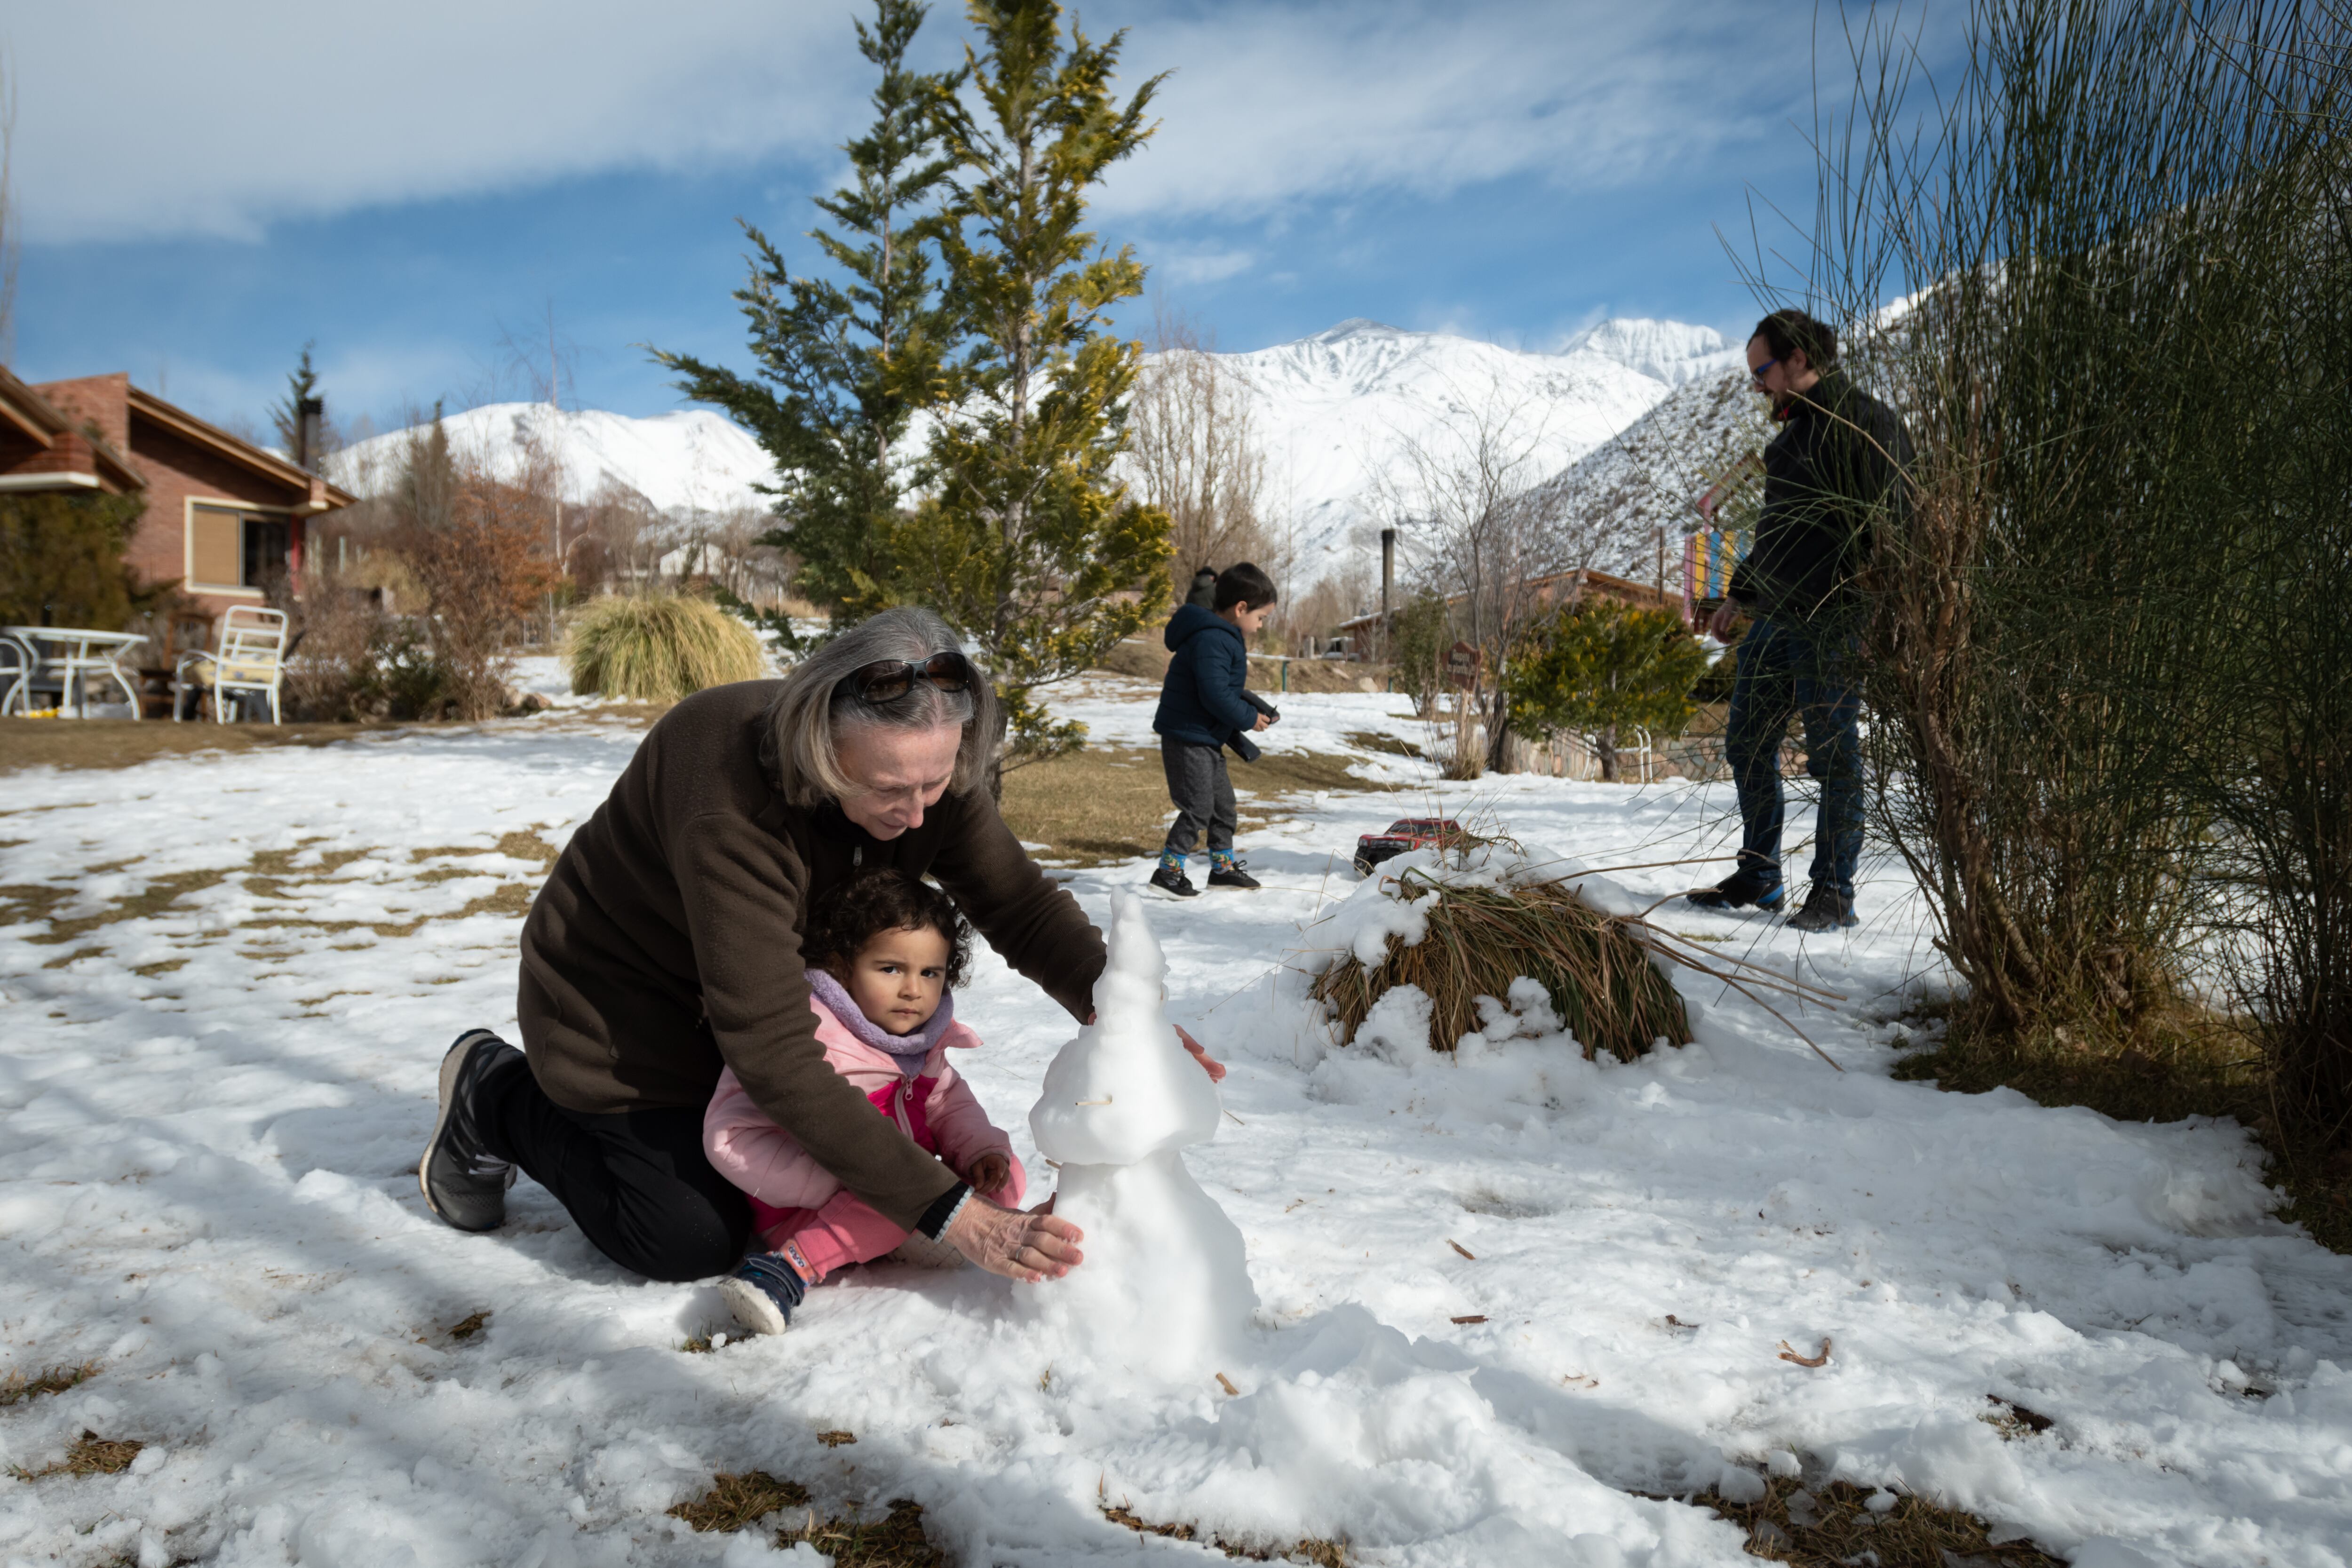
636, 1181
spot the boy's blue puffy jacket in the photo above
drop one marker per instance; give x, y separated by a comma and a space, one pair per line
1203, 699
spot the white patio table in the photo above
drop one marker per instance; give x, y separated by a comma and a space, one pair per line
70, 655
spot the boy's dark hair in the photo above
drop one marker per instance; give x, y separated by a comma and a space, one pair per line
1242, 584
844, 920
1789, 332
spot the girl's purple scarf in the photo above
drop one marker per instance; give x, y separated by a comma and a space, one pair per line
909, 1050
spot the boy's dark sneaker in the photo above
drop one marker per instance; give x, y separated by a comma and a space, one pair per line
1738, 891
1171, 879
1220, 877
1824, 909
463, 1182
762, 1293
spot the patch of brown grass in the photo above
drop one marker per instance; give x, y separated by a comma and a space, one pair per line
837, 1439
1831, 1526
1384, 742
126, 744
91, 1455
39, 902
1110, 803
1480, 938
2167, 1065
466, 1328
19, 1387
895, 1541
1321, 1552
736, 1501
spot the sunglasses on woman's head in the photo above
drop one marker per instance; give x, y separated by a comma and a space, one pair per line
893, 678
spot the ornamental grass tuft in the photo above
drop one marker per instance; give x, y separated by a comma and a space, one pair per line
659, 647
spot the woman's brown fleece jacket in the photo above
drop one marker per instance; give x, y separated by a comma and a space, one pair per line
667, 943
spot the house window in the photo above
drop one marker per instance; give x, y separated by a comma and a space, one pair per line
265, 551
229, 548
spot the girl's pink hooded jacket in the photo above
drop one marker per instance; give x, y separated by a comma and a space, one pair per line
936, 1109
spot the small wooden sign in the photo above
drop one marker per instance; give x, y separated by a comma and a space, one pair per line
1462, 663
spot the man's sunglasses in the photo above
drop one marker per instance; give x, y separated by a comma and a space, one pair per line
1759, 372
893, 678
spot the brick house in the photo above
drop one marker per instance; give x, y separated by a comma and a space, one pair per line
223, 516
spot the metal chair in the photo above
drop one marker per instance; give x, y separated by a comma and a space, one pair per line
18, 666
252, 658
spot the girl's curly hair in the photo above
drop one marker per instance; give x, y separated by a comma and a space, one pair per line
846, 917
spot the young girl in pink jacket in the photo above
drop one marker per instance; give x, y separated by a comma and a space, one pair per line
884, 954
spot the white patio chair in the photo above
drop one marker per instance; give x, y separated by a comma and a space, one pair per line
18, 666
252, 658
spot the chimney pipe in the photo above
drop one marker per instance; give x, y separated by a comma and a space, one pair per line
1388, 578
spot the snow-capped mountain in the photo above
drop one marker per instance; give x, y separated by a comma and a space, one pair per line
1346, 418
1609, 504
692, 460
1349, 416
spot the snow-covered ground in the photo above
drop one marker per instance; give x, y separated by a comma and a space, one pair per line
210, 1113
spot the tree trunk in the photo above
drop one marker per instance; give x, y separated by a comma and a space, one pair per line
1604, 746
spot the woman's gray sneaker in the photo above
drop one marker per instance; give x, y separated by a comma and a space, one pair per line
463, 1182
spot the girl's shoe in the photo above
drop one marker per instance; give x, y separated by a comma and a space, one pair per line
762, 1293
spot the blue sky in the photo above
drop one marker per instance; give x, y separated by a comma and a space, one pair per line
200, 190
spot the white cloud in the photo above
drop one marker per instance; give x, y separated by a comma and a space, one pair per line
162, 118
157, 117
1270, 104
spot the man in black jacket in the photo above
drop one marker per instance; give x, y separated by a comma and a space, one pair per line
1832, 476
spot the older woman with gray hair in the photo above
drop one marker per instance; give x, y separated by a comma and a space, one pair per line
666, 946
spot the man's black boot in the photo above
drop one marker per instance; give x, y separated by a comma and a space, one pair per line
1824, 909
1742, 888
463, 1182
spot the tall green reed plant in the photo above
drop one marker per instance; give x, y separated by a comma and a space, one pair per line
2086, 235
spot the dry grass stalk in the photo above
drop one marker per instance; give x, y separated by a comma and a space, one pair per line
895, 1542
91, 1455
1831, 1526
1319, 1551
18, 1386
1480, 938
735, 1501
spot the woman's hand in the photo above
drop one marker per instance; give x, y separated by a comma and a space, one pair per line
990, 1172
1031, 1246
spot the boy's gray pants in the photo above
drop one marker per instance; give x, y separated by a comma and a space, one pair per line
1203, 793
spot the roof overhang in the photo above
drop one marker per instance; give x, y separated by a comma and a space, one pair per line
37, 419
320, 495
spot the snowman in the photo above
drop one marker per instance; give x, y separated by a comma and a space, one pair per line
1165, 1288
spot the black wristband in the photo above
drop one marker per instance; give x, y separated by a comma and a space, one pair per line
943, 1208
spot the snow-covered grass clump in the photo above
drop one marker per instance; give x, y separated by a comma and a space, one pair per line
1466, 939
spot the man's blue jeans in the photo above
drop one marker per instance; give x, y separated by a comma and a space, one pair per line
1784, 668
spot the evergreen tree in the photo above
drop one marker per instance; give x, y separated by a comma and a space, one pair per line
844, 367
306, 444
1604, 667
1030, 546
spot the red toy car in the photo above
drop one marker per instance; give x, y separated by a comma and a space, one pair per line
1405, 834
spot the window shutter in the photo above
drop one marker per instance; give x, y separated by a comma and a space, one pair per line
216, 547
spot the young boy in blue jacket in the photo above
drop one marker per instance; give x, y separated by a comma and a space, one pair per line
1205, 705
